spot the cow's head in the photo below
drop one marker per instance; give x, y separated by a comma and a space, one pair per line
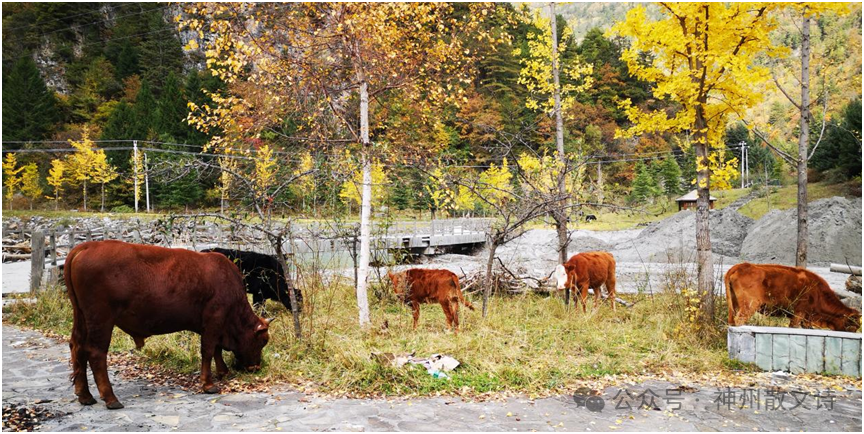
564, 276
852, 321
398, 281
248, 354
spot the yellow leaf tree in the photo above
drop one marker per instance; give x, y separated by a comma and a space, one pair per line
56, 178
30, 185
701, 57
102, 172
11, 178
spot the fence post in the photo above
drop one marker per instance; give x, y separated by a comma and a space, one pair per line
54, 247
89, 235
37, 260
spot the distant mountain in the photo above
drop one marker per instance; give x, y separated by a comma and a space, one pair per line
584, 16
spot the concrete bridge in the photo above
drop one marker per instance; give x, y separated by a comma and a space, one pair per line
414, 237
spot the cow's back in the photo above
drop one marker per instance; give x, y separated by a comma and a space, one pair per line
147, 290
598, 266
430, 284
777, 285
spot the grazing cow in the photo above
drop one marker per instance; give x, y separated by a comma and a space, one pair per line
786, 291
588, 270
264, 277
590, 218
418, 285
148, 290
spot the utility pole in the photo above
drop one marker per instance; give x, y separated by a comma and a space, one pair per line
135, 166
147, 182
744, 169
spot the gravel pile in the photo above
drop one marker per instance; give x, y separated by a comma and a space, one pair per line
674, 239
834, 232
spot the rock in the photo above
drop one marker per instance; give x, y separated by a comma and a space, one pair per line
853, 284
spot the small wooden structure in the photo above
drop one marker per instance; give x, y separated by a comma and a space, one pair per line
688, 201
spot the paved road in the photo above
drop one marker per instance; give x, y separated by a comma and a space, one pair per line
35, 369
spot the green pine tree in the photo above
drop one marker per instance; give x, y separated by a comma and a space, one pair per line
30, 109
172, 111
670, 173
145, 113
644, 185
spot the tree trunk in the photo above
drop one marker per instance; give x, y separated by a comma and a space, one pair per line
366, 207
704, 259
487, 288
559, 214
85, 195
102, 209
803, 144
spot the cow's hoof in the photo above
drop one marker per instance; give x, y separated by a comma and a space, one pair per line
116, 405
86, 400
212, 389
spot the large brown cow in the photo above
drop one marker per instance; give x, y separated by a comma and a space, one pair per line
148, 290
588, 270
419, 285
786, 291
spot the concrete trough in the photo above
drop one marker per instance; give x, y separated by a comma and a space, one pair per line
796, 350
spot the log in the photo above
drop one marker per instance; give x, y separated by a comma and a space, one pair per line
847, 269
16, 257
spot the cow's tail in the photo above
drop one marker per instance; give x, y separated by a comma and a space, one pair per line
730, 297
79, 325
461, 296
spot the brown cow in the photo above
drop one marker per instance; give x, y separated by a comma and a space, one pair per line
148, 290
588, 270
786, 291
419, 285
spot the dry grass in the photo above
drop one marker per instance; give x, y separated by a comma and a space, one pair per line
529, 343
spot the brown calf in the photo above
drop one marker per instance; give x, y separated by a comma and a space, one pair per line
786, 291
588, 270
419, 285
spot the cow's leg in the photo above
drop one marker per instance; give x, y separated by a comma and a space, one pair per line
448, 315
583, 295
257, 300
415, 306
78, 349
454, 310
745, 311
598, 292
98, 342
221, 367
208, 349
610, 289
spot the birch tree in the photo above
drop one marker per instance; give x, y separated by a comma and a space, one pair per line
334, 62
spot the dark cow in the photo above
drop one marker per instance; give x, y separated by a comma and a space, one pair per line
590, 218
786, 291
418, 285
148, 290
264, 277
588, 270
